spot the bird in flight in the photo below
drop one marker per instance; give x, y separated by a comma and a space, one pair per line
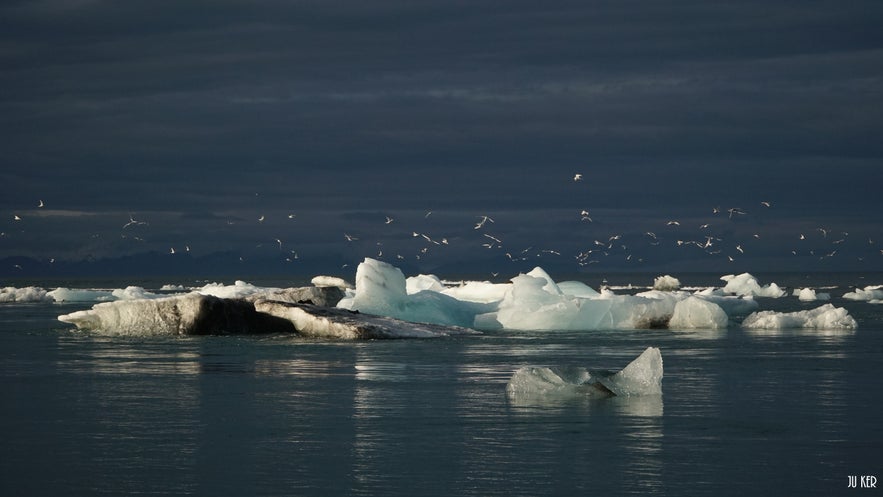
133, 222
484, 219
389, 220
577, 177
40, 204
16, 217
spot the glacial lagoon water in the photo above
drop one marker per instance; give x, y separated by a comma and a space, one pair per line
783, 412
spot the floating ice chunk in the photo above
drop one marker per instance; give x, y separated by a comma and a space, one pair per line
381, 290
746, 284
188, 314
535, 303
239, 289
643, 376
26, 294
731, 304
698, 313
536, 385
808, 295
824, 317
869, 293
87, 295
330, 281
666, 283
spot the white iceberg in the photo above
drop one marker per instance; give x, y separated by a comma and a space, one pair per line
810, 295
92, 295
537, 385
666, 283
746, 284
22, 295
824, 317
381, 290
698, 313
869, 293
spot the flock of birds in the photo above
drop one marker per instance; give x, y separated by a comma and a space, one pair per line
629, 247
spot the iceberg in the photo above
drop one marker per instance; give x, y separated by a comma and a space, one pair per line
666, 283
809, 295
869, 293
536, 385
22, 295
746, 284
824, 317
381, 289
695, 312
188, 314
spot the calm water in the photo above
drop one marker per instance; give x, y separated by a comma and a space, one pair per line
789, 413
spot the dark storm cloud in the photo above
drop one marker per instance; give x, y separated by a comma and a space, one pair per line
241, 108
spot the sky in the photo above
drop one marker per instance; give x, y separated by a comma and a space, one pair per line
302, 136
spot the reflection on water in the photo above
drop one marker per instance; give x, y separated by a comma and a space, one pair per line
278, 416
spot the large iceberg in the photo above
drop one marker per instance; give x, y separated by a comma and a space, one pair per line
535, 385
532, 301
826, 317
381, 289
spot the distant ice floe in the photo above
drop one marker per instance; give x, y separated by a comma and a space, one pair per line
539, 385
21, 295
810, 295
666, 283
822, 318
530, 302
747, 285
869, 293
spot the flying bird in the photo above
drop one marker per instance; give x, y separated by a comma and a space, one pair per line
261, 219
349, 237
481, 223
40, 204
673, 223
16, 217
765, 204
578, 177
133, 222
389, 220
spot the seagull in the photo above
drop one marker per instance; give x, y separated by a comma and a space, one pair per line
585, 216
389, 220
824, 232
40, 204
261, 219
292, 216
735, 210
704, 226
349, 237
16, 217
132, 221
765, 204
280, 243
673, 223
427, 214
715, 210
577, 177
739, 248
484, 219
802, 236
172, 250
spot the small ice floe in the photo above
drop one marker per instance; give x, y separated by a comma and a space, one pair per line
746, 284
539, 385
810, 295
22, 295
869, 293
666, 283
824, 317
